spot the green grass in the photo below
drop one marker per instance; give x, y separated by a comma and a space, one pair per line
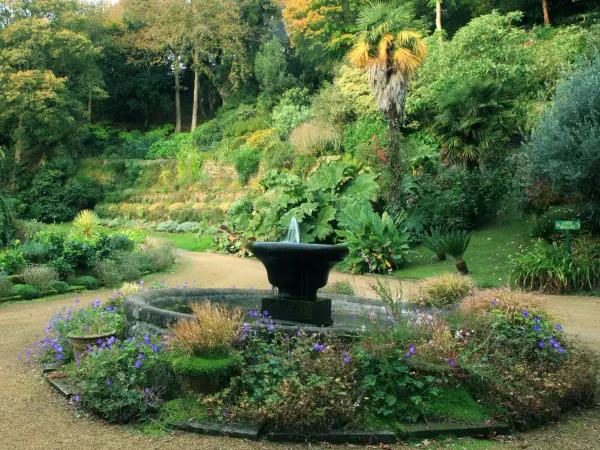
458, 404
189, 242
488, 257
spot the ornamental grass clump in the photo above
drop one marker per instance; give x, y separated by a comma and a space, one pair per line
42, 277
446, 289
212, 332
551, 268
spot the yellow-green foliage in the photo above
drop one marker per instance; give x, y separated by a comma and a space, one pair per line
263, 139
212, 331
87, 222
353, 83
446, 289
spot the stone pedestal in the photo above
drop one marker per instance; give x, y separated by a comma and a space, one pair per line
316, 312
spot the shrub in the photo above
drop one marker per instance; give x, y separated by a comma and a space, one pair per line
170, 226
130, 265
363, 131
211, 333
291, 111
375, 242
121, 242
124, 383
161, 258
42, 277
25, 291
456, 243
565, 145
87, 222
137, 144
278, 157
87, 281
214, 369
323, 385
34, 252
341, 287
170, 148
5, 286
550, 267
542, 227
246, 161
59, 286
109, 273
188, 227
12, 261
446, 289
434, 241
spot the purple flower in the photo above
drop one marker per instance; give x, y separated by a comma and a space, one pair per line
560, 350
265, 313
109, 382
233, 287
352, 317
412, 350
540, 344
537, 328
454, 305
76, 398
20, 355
559, 327
77, 300
137, 364
59, 356
318, 347
224, 413
537, 319
451, 362
141, 356
494, 303
555, 345
525, 314
299, 334
99, 341
346, 358
246, 328
154, 349
147, 390
271, 327
142, 282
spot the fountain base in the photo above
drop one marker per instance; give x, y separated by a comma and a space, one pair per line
314, 312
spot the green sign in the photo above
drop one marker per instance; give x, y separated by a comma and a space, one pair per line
567, 225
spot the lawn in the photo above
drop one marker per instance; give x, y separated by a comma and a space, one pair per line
488, 257
186, 241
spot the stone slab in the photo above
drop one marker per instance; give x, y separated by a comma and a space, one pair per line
237, 430
435, 429
335, 437
47, 368
63, 386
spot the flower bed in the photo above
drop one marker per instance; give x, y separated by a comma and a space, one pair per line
497, 359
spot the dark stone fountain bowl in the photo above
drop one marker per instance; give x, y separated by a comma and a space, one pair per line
298, 270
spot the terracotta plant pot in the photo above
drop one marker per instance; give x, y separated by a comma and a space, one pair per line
80, 343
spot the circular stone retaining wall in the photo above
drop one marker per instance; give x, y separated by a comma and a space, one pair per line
145, 311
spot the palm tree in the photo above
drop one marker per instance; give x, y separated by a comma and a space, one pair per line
388, 46
470, 117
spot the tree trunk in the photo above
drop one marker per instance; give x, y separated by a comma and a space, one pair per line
90, 108
441, 256
461, 266
196, 88
177, 96
438, 18
546, 12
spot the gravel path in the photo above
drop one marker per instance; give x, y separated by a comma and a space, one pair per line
32, 416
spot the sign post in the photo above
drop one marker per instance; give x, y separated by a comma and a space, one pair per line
567, 226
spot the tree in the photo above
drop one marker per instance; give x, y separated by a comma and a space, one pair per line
470, 119
321, 30
162, 27
390, 49
271, 71
216, 32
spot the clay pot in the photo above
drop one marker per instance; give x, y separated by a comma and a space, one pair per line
80, 343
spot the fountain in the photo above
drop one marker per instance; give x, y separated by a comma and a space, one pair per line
298, 271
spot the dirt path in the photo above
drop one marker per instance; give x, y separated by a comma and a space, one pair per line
32, 416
